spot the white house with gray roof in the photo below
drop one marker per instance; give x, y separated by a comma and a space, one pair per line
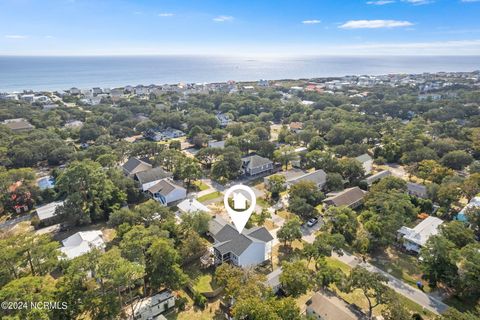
167, 192
135, 165
318, 177
149, 178
249, 248
254, 165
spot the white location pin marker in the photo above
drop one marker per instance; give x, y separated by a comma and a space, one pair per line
241, 212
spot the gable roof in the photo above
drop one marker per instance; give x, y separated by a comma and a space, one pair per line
48, 211
163, 187
318, 177
422, 231
416, 188
364, 158
82, 242
137, 165
255, 161
346, 197
228, 239
18, 124
192, 205
152, 175
330, 308
377, 176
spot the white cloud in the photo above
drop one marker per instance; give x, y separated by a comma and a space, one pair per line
166, 14
418, 2
380, 2
223, 18
314, 21
374, 24
15, 36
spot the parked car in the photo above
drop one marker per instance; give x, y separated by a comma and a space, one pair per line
312, 222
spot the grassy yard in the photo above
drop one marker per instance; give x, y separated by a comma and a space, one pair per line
210, 196
262, 202
204, 283
356, 297
211, 311
200, 185
400, 265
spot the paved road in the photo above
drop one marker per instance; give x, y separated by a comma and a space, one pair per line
13, 222
424, 299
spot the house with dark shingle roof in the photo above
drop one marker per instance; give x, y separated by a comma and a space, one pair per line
254, 164
377, 177
151, 177
135, 165
167, 192
351, 197
249, 248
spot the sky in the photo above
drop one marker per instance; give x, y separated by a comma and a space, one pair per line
239, 27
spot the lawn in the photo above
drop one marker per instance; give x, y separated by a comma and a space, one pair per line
399, 265
200, 185
356, 297
210, 196
262, 202
211, 311
204, 283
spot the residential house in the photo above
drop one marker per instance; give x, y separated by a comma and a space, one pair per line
216, 144
367, 163
416, 189
249, 248
18, 125
273, 280
223, 119
295, 126
191, 206
377, 177
351, 197
149, 178
164, 135
254, 164
167, 192
82, 242
134, 166
414, 239
324, 306
46, 213
73, 124
462, 215
152, 307
318, 177
290, 175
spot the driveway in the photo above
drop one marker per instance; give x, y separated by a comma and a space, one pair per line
13, 222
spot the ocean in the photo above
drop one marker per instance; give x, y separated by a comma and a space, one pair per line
60, 73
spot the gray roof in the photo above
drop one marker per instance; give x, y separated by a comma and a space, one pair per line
228, 239
346, 197
416, 188
317, 177
20, 124
134, 164
164, 187
255, 161
377, 176
152, 175
331, 308
273, 278
364, 158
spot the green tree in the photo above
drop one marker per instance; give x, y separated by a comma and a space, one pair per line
284, 155
439, 256
290, 231
456, 160
295, 278
163, 265
276, 184
372, 285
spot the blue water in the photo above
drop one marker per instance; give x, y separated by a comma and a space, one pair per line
59, 73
